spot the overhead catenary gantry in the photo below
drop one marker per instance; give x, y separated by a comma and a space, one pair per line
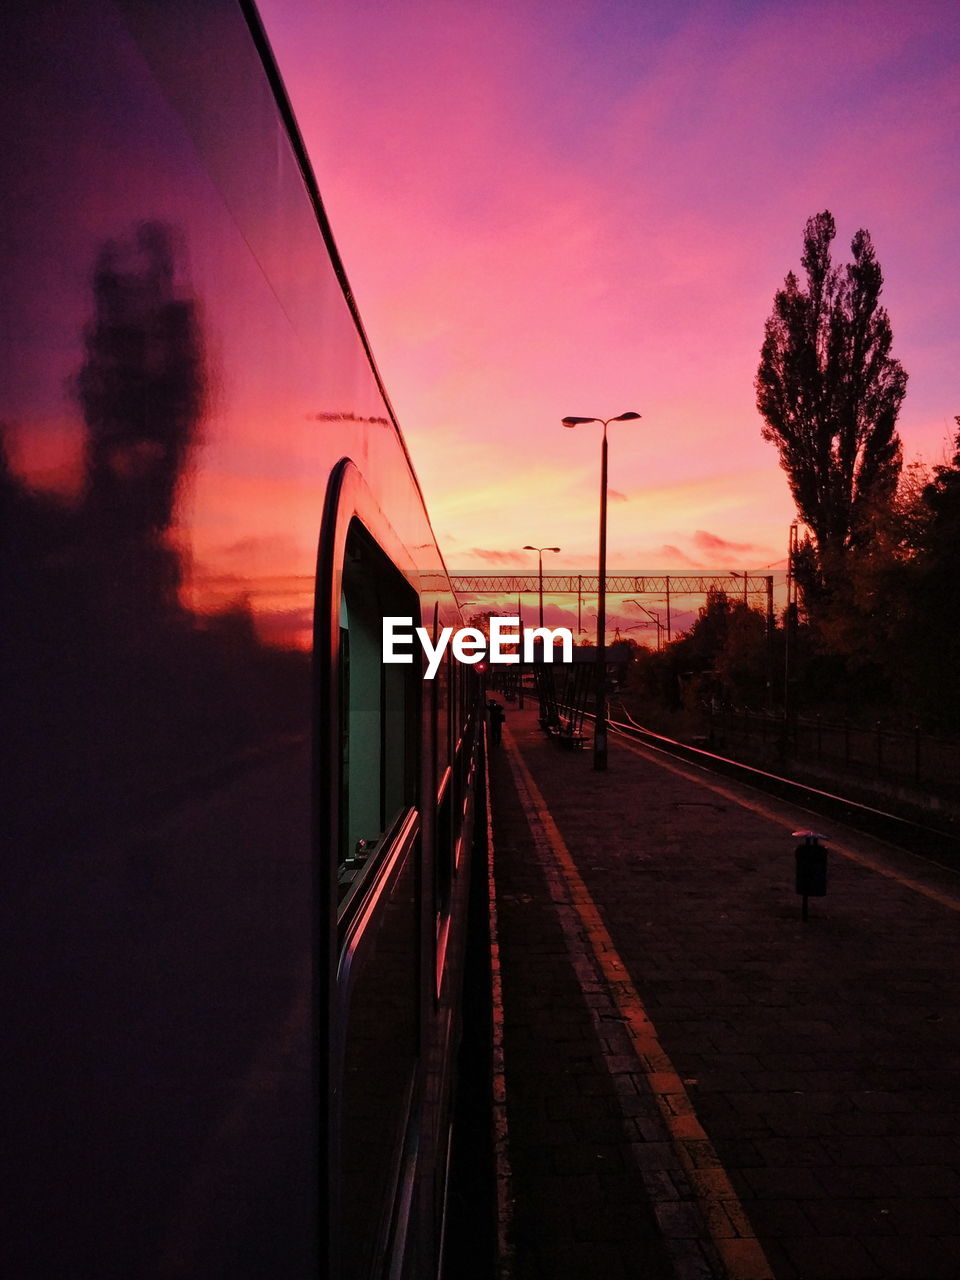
669, 585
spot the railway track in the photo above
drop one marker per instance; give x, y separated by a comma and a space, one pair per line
936, 840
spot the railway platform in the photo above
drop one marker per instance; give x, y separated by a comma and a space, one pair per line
691, 1081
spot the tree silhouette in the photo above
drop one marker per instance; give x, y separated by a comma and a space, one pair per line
141, 387
928, 655
829, 392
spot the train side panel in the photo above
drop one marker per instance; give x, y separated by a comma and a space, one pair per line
207, 1012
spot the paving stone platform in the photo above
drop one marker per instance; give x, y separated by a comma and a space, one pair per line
812, 1127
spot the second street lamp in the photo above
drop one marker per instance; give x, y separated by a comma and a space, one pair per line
540, 551
600, 727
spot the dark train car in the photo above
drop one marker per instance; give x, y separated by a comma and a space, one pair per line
235, 844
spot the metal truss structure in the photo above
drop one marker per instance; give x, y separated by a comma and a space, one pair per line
677, 584
670, 585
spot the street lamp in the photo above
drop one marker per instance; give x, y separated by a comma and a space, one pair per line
540, 551
600, 728
651, 613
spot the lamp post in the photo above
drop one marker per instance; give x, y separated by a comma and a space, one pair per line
789, 631
600, 727
651, 613
540, 551
462, 604
734, 574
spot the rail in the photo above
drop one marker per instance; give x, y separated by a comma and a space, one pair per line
878, 751
936, 841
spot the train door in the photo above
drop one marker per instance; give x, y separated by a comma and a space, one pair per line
370, 887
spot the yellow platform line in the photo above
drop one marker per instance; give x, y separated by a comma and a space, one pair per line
727, 1223
694, 773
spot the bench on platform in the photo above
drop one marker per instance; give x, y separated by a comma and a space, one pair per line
567, 737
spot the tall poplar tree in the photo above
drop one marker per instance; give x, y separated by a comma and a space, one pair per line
829, 392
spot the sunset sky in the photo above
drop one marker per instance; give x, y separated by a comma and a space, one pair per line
584, 207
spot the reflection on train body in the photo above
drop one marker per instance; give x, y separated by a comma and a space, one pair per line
229, 1025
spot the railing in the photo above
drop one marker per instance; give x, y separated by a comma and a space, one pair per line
908, 757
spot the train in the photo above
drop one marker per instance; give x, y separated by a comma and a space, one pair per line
238, 848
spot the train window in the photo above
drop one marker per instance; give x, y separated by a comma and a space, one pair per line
443, 862
376, 1018
378, 1012
441, 693
378, 704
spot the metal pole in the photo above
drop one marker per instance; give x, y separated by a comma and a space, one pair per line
788, 620
540, 579
600, 727
520, 654
769, 644
669, 633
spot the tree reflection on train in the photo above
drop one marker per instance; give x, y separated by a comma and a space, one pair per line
137, 1017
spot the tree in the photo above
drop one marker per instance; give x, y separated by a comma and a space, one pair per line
940, 538
928, 639
829, 393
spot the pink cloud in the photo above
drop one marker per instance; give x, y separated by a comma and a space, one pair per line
491, 556
669, 553
710, 544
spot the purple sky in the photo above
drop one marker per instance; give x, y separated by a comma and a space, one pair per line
583, 208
